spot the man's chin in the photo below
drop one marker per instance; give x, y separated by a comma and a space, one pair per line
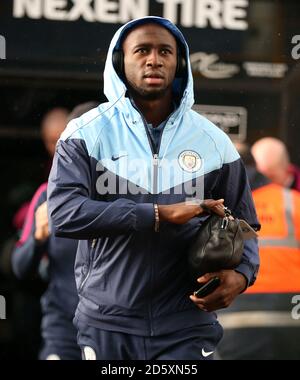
153, 94
147, 93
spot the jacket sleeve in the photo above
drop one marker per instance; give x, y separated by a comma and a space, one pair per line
233, 187
73, 212
28, 252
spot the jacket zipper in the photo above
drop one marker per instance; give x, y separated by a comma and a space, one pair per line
155, 164
93, 245
155, 173
155, 161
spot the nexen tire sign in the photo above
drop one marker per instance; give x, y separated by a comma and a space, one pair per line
216, 14
59, 36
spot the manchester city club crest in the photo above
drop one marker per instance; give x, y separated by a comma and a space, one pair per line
190, 161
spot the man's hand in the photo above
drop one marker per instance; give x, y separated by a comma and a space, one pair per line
41, 223
181, 213
232, 284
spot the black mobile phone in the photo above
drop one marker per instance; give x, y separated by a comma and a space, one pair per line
208, 287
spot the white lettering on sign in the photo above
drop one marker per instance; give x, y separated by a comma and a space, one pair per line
216, 14
28, 8
266, 69
55, 10
131, 9
232, 120
82, 8
235, 14
106, 11
209, 66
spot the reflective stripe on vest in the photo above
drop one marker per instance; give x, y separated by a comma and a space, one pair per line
290, 241
252, 319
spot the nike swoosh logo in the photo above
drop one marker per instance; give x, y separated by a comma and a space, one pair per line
116, 157
206, 354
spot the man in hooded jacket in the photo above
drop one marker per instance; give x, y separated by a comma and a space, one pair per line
120, 181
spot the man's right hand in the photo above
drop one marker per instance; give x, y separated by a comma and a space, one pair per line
181, 213
41, 223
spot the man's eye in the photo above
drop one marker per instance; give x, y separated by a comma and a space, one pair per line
165, 52
142, 50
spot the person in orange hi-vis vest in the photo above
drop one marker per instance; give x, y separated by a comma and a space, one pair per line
279, 240
264, 322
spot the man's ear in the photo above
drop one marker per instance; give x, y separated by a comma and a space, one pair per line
118, 62
181, 63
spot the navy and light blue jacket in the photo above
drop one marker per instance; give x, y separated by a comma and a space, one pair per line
103, 184
60, 300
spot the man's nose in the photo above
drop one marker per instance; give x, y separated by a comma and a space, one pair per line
154, 59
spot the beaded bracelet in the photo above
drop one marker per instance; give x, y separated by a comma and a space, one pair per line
156, 213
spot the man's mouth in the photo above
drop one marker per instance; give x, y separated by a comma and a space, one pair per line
154, 75
154, 78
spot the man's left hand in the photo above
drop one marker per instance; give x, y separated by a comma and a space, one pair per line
232, 284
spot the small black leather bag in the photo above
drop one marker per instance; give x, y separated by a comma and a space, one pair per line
219, 245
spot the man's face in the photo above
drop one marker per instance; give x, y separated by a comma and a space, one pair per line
277, 173
51, 131
150, 60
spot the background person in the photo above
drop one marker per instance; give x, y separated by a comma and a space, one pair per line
260, 325
272, 160
38, 247
23, 297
